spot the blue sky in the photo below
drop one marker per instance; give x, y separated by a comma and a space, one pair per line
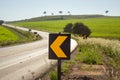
22, 9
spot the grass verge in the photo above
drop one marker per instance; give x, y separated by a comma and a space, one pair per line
89, 54
21, 37
6, 34
53, 75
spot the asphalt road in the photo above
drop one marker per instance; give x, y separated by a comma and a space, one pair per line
26, 61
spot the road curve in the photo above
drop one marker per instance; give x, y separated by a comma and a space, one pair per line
26, 61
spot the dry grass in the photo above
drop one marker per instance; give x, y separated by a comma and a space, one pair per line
113, 44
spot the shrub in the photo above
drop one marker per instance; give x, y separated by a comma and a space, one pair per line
1, 22
81, 29
78, 28
68, 28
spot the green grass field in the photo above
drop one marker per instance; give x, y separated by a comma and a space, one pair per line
10, 36
6, 34
100, 27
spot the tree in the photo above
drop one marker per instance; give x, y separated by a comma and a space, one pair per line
68, 28
52, 14
61, 15
60, 12
69, 12
81, 29
44, 12
78, 28
106, 11
1, 22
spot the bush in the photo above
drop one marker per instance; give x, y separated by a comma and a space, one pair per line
68, 28
78, 28
1, 22
81, 29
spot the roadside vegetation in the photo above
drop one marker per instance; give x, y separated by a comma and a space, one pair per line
88, 54
100, 27
10, 36
53, 75
97, 51
91, 53
7, 36
78, 28
110, 48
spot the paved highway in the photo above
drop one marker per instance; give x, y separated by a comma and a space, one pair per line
26, 61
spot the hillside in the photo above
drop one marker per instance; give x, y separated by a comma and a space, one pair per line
101, 27
62, 17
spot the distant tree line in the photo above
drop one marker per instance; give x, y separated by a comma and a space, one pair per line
60, 12
78, 28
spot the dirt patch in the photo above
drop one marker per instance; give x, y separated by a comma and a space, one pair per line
85, 72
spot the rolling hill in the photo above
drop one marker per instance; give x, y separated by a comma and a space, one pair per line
61, 17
